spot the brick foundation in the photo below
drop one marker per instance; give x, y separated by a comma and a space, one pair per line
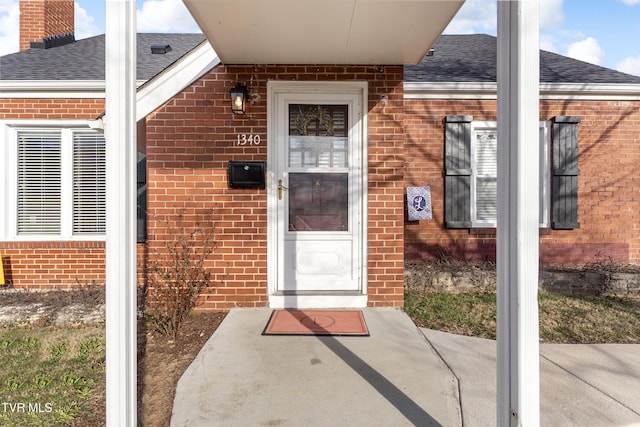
59, 265
551, 254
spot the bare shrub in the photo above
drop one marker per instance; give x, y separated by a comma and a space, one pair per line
177, 272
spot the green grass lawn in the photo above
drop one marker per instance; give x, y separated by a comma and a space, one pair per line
52, 376
563, 319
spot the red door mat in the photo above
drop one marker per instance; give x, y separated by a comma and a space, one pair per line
317, 322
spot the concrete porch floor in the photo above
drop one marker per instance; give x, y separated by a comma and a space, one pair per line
399, 375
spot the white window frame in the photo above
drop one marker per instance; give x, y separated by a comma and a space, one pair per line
545, 173
9, 178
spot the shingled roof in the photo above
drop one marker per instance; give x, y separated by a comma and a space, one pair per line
472, 58
84, 59
456, 58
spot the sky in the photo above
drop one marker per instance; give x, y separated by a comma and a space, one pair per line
598, 31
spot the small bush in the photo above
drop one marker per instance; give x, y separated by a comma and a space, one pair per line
178, 272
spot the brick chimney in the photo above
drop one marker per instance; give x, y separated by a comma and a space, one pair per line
46, 23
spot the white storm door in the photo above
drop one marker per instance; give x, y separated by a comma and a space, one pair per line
319, 193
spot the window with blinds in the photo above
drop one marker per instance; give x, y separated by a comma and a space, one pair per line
486, 145
39, 182
89, 186
61, 188
484, 174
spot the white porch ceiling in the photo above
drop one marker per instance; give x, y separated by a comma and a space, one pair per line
322, 31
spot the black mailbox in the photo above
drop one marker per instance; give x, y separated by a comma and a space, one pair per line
246, 174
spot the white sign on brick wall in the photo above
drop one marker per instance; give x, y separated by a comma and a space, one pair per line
419, 203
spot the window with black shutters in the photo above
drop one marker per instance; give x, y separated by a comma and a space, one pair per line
471, 149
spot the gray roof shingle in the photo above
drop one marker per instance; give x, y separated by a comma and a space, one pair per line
472, 58
84, 59
457, 58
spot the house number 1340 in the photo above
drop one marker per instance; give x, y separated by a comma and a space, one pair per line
244, 139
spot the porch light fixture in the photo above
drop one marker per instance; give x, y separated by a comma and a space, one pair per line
239, 96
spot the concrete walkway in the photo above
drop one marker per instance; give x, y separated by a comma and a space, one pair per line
580, 385
395, 377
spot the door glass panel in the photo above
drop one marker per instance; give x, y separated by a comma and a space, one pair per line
318, 136
318, 140
318, 152
318, 202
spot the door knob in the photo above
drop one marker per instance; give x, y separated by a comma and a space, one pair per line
280, 188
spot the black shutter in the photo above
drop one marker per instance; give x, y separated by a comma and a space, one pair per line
457, 170
564, 162
141, 215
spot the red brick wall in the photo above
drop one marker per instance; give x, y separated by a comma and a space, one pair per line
386, 190
44, 18
191, 139
59, 265
609, 162
51, 109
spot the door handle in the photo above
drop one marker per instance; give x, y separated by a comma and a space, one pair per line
280, 188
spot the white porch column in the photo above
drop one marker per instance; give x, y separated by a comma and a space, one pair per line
517, 234
121, 212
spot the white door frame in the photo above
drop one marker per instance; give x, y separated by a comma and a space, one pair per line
276, 89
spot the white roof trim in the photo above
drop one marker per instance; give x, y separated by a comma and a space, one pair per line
564, 91
591, 91
72, 89
452, 90
175, 78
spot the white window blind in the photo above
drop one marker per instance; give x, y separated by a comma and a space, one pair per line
484, 187
39, 182
487, 175
89, 186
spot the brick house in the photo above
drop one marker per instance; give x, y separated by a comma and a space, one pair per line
305, 193
589, 150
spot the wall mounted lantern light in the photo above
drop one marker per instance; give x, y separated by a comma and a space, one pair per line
239, 96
